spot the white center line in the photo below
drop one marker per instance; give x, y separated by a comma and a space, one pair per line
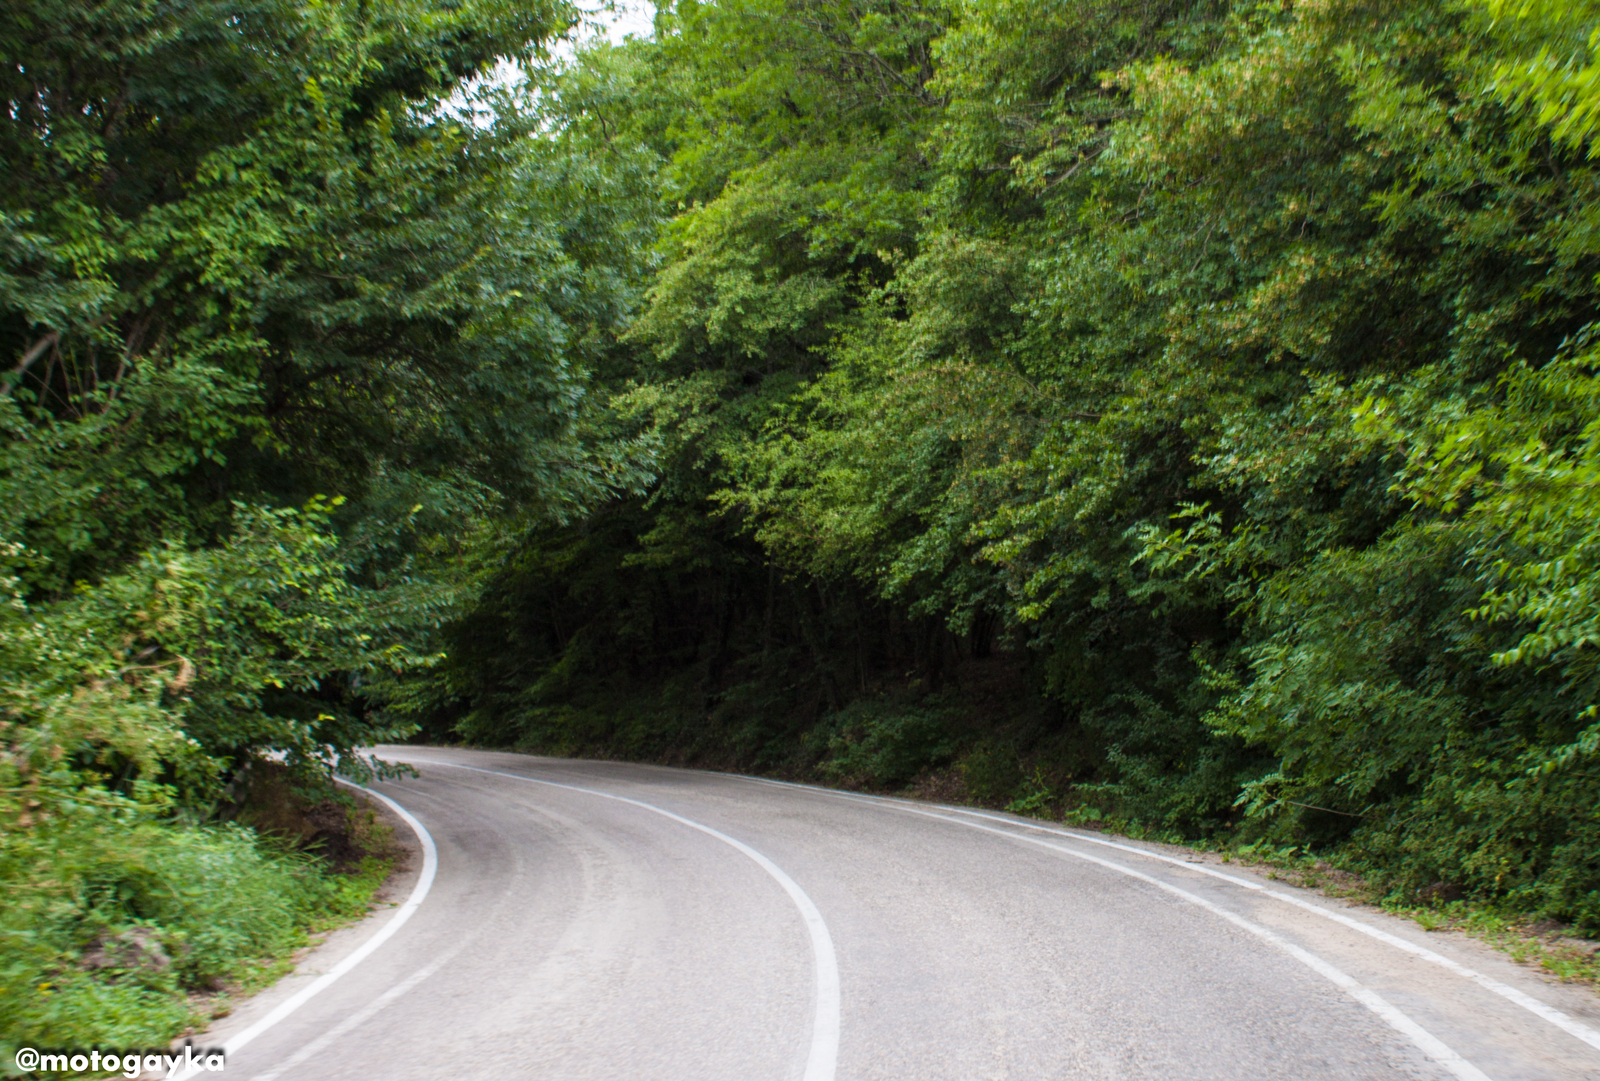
1429, 1044
822, 1060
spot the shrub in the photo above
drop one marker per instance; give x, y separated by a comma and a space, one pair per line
880, 744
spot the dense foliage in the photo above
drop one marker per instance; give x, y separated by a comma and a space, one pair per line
300, 314
1182, 411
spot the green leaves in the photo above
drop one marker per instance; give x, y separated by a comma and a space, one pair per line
1560, 78
294, 356
251, 257
1223, 363
1219, 375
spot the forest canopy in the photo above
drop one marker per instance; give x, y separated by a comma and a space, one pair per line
1183, 413
1177, 412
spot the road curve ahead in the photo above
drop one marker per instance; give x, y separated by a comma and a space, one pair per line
605, 920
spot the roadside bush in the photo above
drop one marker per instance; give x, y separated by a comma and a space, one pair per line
883, 745
114, 912
991, 774
1487, 829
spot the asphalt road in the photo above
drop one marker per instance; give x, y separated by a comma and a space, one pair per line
602, 920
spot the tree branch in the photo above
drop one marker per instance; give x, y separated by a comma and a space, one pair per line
14, 376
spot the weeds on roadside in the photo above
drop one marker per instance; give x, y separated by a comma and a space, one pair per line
1541, 943
1546, 943
122, 929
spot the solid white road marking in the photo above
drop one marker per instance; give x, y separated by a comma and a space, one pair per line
1549, 1013
360, 1017
822, 1060
1425, 1041
430, 867
1429, 1044
1566, 1022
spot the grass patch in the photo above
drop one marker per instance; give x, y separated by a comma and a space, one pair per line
1545, 943
124, 929
1557, 948
369, 854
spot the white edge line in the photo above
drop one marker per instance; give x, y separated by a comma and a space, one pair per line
822, 1060
1554, 1016
430, 868
1425, 1041
355, 1020
1571, 1025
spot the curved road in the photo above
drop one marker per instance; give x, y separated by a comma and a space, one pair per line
603, 920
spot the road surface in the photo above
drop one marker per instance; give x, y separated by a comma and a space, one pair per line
578, 920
